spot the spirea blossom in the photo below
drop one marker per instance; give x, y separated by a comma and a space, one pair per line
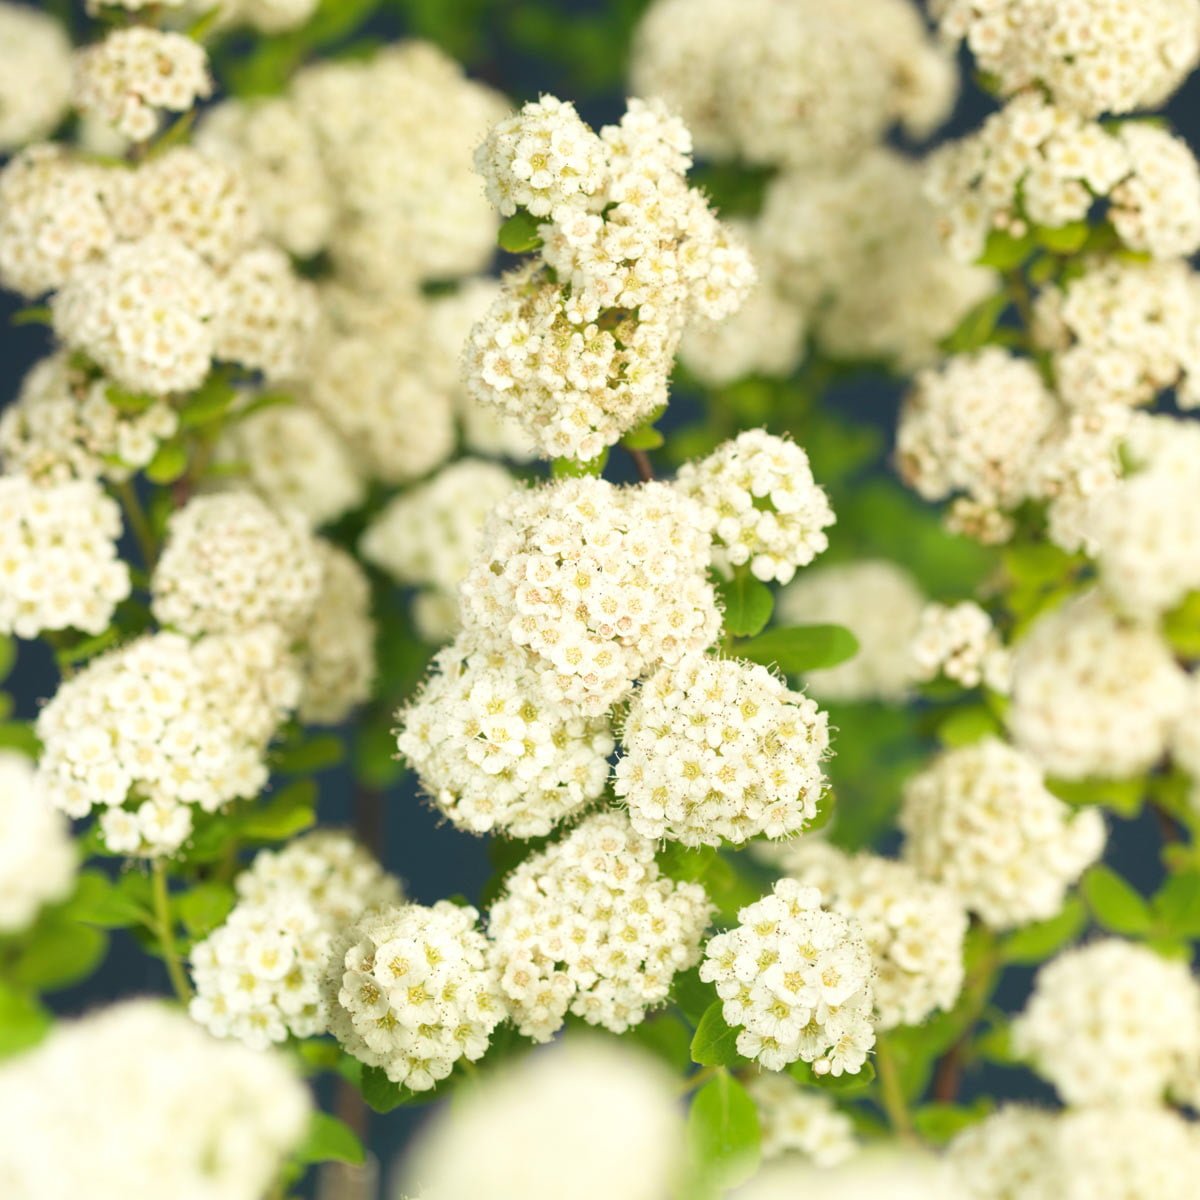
492, 752
1111, 1023
155, 1107
1122, 332
972, 427
589, 926
1093, 694
37, 857
259, 977
135, 74
796, 82
799, 1122
58, 557
54, 217
268, 16
580, 349
1094, 56
960, 642
62, 426
293, 459
881, 604
143, 313
35, 75
980, 820
883, 1171
232, 563
1110, 1153
1033, 162
796, 979
720, 750
856, 247
412, 990
761, 505
429, 536
913, 927
598, 1116
165, 724
599, 584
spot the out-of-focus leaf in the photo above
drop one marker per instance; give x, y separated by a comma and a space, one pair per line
797, 649
1037, 942
723, 1130
1114, 904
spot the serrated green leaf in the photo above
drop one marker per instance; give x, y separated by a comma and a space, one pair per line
1115, 904
724, 1136
714, 1044
169, 463
519, 234
1039, 941
329, 1140
204, 907
797, 649
748, 604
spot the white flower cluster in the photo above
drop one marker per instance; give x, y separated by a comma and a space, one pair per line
972, 427
429, 536
62, 426
293, 459
914, 928
35, 75
596, 1116
1111, 1023
412, 990
154, 1106
1091, 56
135, 74
720, 750
797, 1122
37, 857
1033, 162
886, 1170
165, 724
599, 584
856, 248
800, 82
408, 207
1140, 530
1122, 332
231, 563
980, 820
580, 347
1093, 694
960, 642
492, 752
797, 979
589, 926
1115, 1153
881, 604
59, 567
259, 976
761, 505
267, 16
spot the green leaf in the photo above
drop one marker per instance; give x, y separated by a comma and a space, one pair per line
644, 437
168, 464
204, 24
724, 1136
19, 735
1064, 239
966, 725
748, 604
34, 315
329, 1140
8, 656
127, 402
519, 234
307, 757
284, 815
204, 907
1124, 796
209, 404
714, 1044
1177, 906
98, 901
1181, 627
939, 1123
666, 1036
57, 954
803, 1073
826, 807
977, 327
800, 648
691, 995
380, 1092
1004, 252
1114, 904
23, 1020
574, 468
1040, 940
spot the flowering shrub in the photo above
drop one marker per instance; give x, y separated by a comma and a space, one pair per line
411, 448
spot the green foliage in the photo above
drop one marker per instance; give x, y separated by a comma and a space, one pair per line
1114, 904
798, 649
714, 1044
939, 1123
573, 468
169, 463
846, 1084
101, 902
205, 907
54, 954
747, 603
1124, 796
23, 1020
306, 755
287, 813
978, 328
644, 437
519, 234
1034, 943
1181, 627
723, 1131
1004, 252
329, 1140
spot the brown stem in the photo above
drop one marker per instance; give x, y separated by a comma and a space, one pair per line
641, 460
948, 1075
